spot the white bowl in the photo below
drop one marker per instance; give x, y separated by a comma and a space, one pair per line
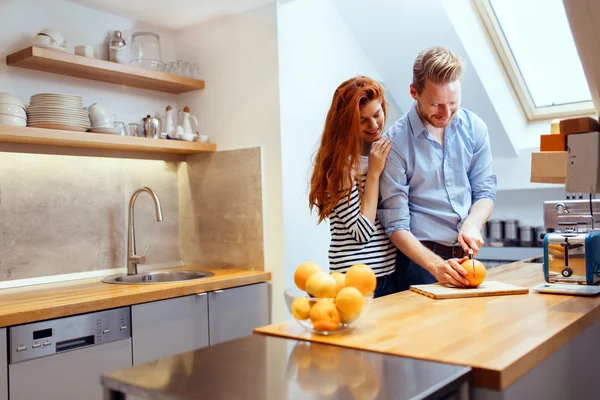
12, 120
7, 98
12, 109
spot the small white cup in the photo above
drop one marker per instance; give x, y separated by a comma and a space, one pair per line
97, 113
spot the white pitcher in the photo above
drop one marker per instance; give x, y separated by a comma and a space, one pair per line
170, 129
186, 123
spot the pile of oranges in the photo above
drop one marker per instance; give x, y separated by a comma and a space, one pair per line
339, 298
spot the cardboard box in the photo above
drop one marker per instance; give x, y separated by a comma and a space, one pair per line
578, 125
549, 167
553, 143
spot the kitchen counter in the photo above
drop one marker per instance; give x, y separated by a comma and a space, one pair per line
39, 302
262, 367
501, 337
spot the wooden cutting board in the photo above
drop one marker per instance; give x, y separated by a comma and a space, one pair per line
488, 288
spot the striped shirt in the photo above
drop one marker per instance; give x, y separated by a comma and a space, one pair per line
355, 240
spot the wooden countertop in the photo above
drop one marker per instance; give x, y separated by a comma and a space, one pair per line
501, 337
40, 302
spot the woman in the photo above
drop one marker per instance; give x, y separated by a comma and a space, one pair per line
345, 181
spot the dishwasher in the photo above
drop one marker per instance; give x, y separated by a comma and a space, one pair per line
64, 358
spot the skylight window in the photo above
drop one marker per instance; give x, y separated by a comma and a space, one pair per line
535, 43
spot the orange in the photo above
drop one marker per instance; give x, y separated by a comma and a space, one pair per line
361, 277
369, 387
340, 280
349, 318
475, 272
301, 308
321, 285
303, 272
314, 381
325, 316
352, 371
301, 355
327, 357
349, 300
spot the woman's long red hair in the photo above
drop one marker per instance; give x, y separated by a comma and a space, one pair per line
336, 161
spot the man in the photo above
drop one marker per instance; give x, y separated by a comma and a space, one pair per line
437, 189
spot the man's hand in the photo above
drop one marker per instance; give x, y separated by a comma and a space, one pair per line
450, 272
470, 237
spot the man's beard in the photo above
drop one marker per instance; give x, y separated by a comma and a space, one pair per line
433, 122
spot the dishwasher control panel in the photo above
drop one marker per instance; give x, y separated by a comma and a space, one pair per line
40, 339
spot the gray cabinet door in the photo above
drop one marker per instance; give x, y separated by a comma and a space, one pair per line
235, 312
3, 365
69, 375
168, 327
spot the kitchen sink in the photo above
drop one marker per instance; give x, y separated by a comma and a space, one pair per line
157, 277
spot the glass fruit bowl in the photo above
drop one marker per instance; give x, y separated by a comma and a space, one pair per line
323, 315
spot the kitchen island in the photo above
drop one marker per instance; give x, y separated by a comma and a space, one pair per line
520, 346
264, 367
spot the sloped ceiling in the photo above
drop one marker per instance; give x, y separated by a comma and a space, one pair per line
393, 32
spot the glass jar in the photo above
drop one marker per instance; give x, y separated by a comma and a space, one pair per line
145, 51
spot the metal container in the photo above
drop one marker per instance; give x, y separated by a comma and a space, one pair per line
527, 236
511, 232
152, 127
496, 232
117, 48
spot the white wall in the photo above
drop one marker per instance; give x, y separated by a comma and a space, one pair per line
526, 205
239, 108
23, 19
312, 64
392, 33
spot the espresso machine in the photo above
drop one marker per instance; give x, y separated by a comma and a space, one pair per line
572, 241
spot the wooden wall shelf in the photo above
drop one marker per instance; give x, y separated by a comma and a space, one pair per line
42, 59
50, 137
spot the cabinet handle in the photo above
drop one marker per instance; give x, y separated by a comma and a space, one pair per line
202, 294
219, 291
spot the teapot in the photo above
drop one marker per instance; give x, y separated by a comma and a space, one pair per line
152, 127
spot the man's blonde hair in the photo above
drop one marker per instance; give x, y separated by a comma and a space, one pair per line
436, 64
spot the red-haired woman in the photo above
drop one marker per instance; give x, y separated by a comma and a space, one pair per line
345, 181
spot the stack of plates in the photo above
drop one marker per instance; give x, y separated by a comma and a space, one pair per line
58, 111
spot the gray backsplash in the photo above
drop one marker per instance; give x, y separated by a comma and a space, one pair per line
66, 214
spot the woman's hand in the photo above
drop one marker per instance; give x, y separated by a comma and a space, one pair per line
379, 152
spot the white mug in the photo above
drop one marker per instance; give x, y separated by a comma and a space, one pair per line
97, 113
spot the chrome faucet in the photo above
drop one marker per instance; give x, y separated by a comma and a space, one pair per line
132, 259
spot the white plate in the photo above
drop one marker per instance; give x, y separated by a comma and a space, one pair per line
52, 95
57, 115
56, 110
61, 115
58, 121
63, 127
65, 120
59, 104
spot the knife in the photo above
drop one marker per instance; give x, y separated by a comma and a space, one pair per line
471, 258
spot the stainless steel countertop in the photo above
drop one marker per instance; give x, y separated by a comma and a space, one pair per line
265, 367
